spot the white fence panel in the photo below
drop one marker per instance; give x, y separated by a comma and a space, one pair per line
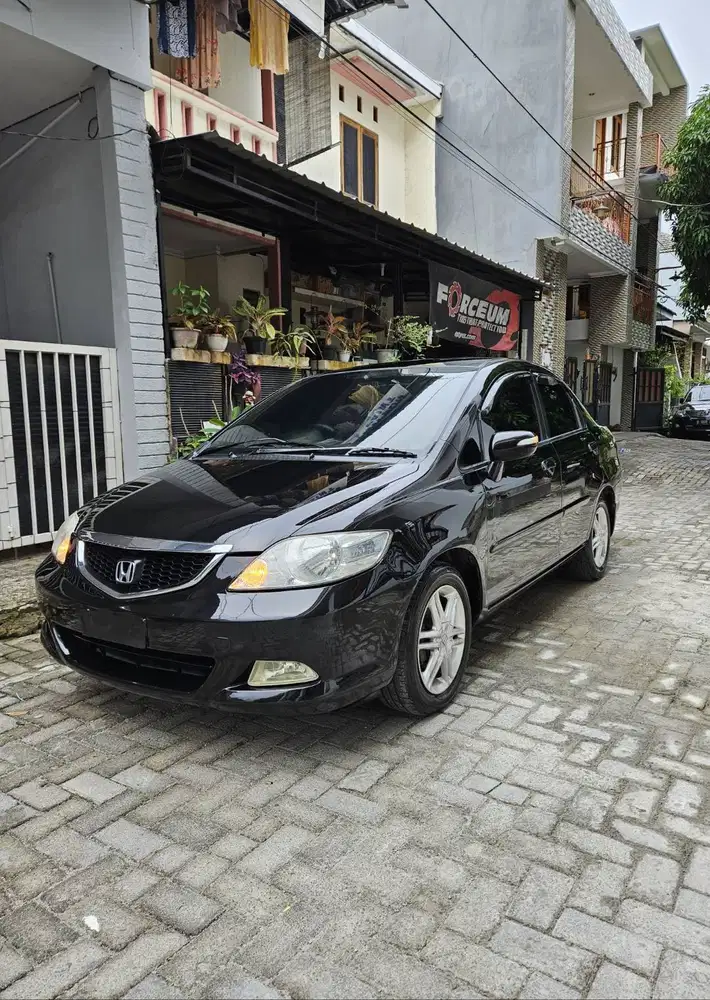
59, 435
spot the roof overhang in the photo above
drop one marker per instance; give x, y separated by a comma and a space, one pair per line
667, 74
354, 40
210, 175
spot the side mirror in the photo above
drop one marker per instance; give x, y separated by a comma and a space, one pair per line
508, 446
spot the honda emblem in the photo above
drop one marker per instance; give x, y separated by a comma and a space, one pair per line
126, 571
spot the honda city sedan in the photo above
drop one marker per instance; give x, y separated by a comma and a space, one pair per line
338, 540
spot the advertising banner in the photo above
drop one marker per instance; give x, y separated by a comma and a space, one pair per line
471, 311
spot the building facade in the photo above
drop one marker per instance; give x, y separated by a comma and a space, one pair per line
82, 384
564, 186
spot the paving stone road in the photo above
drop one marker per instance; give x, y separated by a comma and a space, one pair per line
547, 836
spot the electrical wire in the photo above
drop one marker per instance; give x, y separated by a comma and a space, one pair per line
461, 156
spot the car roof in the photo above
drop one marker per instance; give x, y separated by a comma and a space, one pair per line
458, 365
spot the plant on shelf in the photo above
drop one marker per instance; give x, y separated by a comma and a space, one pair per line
410, 335
189, 317
260, 330
218, 329
294, 344
352, 340
331, 326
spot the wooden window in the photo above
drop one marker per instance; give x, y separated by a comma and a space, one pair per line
359, 105
236, 134
617, 159
358, 162
599, 145
186, 119
161, 114
256, 145
375, 114
211, 123
341, 93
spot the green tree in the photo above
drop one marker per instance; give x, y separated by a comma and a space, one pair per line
688, 192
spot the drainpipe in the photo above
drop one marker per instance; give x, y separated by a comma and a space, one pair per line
53, 291
42, 131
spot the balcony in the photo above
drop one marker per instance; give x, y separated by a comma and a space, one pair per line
643, 302
175, 110
591, 194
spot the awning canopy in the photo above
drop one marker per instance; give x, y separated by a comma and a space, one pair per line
211, 175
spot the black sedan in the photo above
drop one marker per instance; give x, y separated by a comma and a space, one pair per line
692, 416
339, 539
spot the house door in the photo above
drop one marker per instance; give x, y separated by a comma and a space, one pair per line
596, 390
649, 395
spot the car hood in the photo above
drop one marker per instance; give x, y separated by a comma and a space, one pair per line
248, 504
702, 406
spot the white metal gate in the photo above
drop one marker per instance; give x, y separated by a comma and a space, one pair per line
59, 435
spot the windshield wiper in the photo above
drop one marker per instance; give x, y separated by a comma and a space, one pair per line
393, 452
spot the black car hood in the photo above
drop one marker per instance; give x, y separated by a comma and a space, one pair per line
246, 503
702, 405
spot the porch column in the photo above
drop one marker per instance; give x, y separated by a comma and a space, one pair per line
137, 315
279, 271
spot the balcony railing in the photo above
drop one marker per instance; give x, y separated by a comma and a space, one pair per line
591, 193
174, 109
610, 158
644, 297
653, 152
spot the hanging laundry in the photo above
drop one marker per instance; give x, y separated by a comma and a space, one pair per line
176, 28
227, 12
203, 71
268, 35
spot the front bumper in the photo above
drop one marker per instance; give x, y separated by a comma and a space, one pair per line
202, 652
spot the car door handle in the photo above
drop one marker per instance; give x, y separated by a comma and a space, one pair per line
572, 465
548, 466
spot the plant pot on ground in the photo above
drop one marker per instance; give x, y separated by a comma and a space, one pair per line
260, 330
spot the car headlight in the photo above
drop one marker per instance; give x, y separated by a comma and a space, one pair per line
313, 560
61, 546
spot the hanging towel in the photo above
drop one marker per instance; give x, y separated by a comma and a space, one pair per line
268, 35
176, 27
203, 71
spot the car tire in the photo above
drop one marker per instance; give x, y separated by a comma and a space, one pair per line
590, 563
418, 687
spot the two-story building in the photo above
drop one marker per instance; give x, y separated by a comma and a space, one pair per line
551, 151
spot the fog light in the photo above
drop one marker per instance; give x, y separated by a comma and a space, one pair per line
279, 673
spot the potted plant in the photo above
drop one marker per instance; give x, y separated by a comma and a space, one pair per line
410, 334
294, 344
260, 330
331, 326
190, 315
352, 340
218, 330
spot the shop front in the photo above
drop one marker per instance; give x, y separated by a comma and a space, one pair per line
355, 285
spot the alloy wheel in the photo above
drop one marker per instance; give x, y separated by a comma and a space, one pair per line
441, 640
600, 536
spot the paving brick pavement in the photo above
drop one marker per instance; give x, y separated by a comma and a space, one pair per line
547, 836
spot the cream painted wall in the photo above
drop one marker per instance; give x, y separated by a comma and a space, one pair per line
406, 157
240, 87
420, 167
237, 273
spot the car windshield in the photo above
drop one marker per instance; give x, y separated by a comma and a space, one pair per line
380, 411
700, 394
